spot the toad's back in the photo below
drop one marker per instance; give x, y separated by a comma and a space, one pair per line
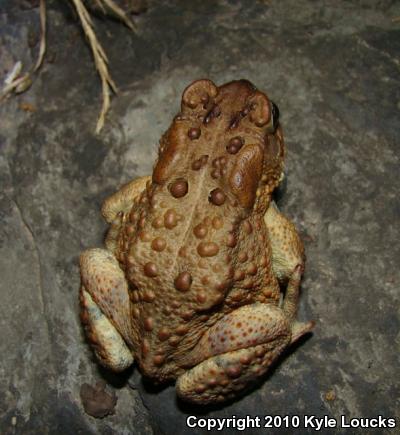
197, 245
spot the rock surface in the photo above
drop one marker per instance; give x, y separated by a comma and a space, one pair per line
333, 68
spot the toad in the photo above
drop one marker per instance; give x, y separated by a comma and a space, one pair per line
189, 284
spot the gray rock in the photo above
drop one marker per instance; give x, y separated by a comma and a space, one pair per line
333, 70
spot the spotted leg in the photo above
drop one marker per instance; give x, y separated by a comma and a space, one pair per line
240, 348
115, 206
104, 302
287, 248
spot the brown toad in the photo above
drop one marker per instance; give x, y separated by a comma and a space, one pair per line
189, 285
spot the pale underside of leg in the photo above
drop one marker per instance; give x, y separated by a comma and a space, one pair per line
107, 343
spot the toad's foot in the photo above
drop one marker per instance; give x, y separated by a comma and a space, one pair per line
104, 300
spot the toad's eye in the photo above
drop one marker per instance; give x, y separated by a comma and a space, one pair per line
275, 115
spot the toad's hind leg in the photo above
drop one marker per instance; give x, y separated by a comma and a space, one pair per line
105, 307
234, 352
241, 347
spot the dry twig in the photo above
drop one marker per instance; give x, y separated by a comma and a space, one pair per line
100, 58
15, 82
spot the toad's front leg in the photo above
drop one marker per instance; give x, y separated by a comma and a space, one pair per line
240, 348
118, 204
287, 247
